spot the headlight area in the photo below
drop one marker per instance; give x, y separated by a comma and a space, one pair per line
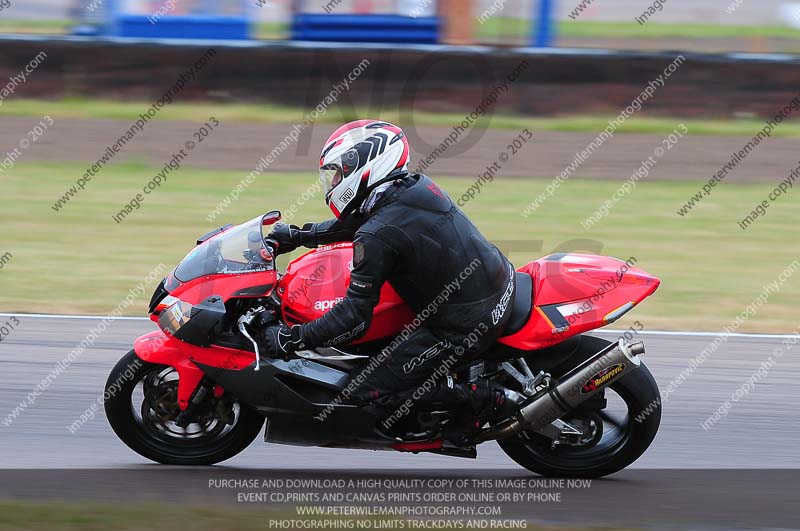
194, 324
173, 313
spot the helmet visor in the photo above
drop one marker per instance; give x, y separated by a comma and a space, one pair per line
330, 175
343, 166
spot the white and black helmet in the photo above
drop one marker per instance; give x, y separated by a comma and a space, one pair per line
356, 158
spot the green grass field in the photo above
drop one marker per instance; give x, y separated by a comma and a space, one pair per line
500, 27
269, 113
658, 30
80, 261
37, 27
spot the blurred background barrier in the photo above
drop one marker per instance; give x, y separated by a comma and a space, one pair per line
764, 26
443, 79
184, 19
365, 28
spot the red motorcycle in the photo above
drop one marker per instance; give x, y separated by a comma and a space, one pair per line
197, 391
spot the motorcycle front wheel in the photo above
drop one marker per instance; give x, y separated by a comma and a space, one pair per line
617, 435
141, 404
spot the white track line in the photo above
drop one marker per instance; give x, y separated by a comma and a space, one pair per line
696, 334
54, 316
598, 331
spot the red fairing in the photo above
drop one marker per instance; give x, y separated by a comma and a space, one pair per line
318, 280
227, 286
157, 347
575, 293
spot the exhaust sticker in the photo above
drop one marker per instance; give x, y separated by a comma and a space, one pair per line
602, 378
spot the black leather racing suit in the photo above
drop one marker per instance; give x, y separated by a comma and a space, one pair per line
458, 284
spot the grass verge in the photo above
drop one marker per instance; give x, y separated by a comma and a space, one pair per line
38, 27
79, 260
516, 28
657, 30
270, 113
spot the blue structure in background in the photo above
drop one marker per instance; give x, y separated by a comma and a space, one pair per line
365, 28
206, 23
542, 28
211, 19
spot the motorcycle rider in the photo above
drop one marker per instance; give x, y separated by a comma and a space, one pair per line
406, 231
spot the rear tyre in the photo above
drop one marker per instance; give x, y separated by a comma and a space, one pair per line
620, 440
142, 407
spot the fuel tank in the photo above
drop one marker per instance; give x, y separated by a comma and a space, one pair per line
316, 281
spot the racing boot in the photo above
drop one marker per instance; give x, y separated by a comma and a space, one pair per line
491, 402
485, 400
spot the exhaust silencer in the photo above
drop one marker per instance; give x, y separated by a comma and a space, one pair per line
574, 388
582, 383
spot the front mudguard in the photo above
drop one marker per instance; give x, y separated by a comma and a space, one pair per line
159, 348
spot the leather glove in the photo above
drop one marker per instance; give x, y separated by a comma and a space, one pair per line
283, 341
288, 238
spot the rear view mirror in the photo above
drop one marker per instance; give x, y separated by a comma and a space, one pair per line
271, 217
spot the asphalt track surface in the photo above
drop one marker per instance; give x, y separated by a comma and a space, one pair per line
684, 464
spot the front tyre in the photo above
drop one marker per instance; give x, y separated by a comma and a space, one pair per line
622, 431
142, 406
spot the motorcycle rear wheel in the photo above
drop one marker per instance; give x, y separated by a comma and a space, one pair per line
618, 447
141, 406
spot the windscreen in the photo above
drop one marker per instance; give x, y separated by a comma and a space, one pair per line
235, 251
